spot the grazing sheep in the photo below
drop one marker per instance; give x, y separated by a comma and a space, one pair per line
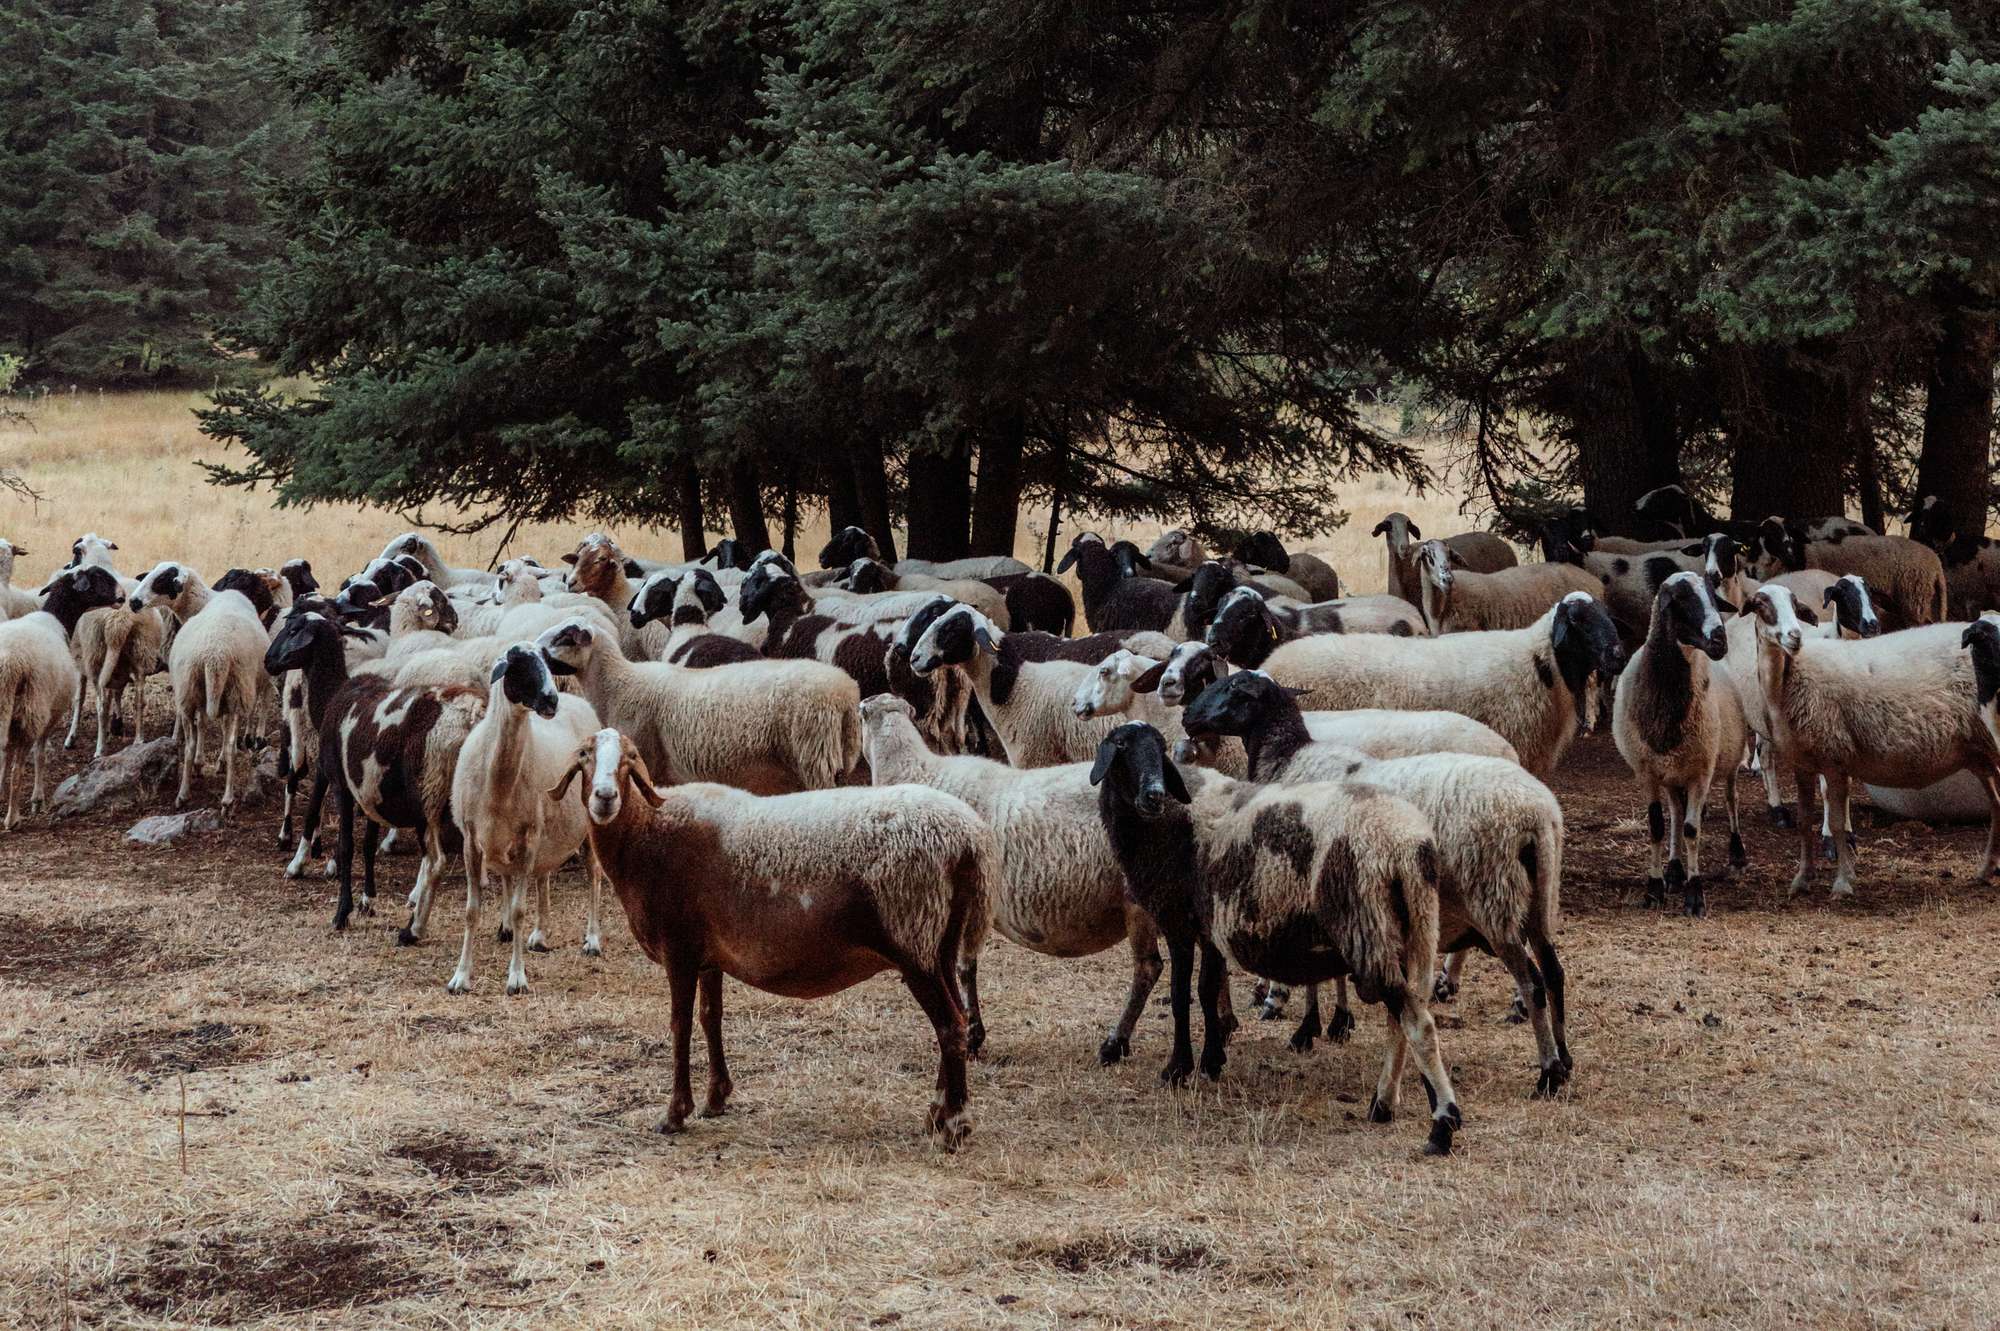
1678, 724
1906, 577
15, 602
37, 674
800, 895
1533, 686
1898, 710
1059, 891
1499, 834
1457, 600
767, 726
519, 749
216, 664
1026, 682
1299, 884
1482, 552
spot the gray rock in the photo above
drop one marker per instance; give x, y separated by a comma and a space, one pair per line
137, 774
163, 829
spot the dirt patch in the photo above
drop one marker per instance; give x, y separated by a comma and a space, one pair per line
201, 1048
467, 1168
1110, 1252
305, 1267
62, 954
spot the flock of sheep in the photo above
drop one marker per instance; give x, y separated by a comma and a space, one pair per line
803, 779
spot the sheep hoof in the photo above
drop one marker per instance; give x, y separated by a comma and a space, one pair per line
1826, 851
1562, 1055
1738, 857
1212, 1061
1781, 816
539, 946
1553, 1079
1114, 1049
1445, 989
1442, 1128
1308, 1031
1177, 1071
458, 984
1379, 1112
406, 937
593, 948
1517, 1013
672, 1124
1694, 902
951, 1130
1676, 876
714, 1108
1801, 884
1656, 893
1843, 887
1343, 1026
515, 988
504, 934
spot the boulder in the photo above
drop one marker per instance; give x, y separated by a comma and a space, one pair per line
135, 775
164, 829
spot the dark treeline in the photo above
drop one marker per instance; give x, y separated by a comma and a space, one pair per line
717, 263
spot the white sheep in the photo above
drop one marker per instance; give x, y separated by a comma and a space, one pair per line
1898, 710
1678, 724
421, 548
15, 602
1060, 891
216, 664
767, 726
1456, 599
38, 674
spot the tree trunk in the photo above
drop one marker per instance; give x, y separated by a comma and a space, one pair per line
791, 511
694, 539
996, 504
939, 502
746, 505
1868, 485
871, 486
1956, 461
843, 501
1627, 438
1791, 425
1055, 522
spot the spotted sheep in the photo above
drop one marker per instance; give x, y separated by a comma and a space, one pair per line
1246, 628
1482, 552
1026, 682
769, 726
1059, 890
1897, 710
802, 895
215, 664
1906, 577
1298, 884
38, 674
1629, 583
1679, 725
310, 657
1535, 687
671, 610
511, 830
1499, 834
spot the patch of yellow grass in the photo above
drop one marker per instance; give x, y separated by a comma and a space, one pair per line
125, 465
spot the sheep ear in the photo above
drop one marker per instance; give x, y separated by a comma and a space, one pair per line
111, 545
1291, 692
1184, 586
1099, 769
1727, 608
632, 569
1454, 558
570, 558
1806, 616
1170, 775
985, 641
1380, 528
1694, 549
641, 780
1883, 602
562, 786
1139, 557
1068, 559
20, 550
1416, 532
1150, 681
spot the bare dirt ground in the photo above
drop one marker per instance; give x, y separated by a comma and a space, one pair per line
1783, 1116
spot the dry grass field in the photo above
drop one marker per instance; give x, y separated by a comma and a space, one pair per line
214, 1111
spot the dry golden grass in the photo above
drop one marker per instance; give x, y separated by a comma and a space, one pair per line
1783, 1117
125, 466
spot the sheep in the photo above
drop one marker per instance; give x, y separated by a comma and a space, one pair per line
1971, 559
37, 673
1110, 599
1482, 552
1036, 602
1533, 686
1906, 577
869, 577
1059, 891
1499, 834
15, 602
309, 653
1026, 683
672, 616
419, 547
421, 618
973, 566
1457, 600
1981, 642
767, 726
1631, 583
215, 664
1246, 629
1299, 884
1898, 710
1854, 617
1678, 723
520, 584
510, 829
298, 573
1176, 553
116, 649
601, 570
1314, 575
800, 895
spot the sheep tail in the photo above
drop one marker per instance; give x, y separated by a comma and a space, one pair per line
215, 684
824, 748
1416, 885
1542, 858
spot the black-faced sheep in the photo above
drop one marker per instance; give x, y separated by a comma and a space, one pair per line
38, 675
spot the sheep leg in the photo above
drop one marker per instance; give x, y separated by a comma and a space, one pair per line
947, 1118
1143, 937
343, 857
475, 878
107, 713
1802, 880
429, 871
1343, 1015
1309, 1028
1446, 987
230, 726
719, 1084
537, 940
41, 753
1693, 803
593, 940
1534, 997
517, 906
968, 992
1656, 834
1180, 983
1420, 1033
1676, 813
1550, 966
1778, 811
1214, 1033
76, 717
190, 754
681, 974
371, 834
1843, 844
309, 829
10, 759
1738, 857
1389, 1084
